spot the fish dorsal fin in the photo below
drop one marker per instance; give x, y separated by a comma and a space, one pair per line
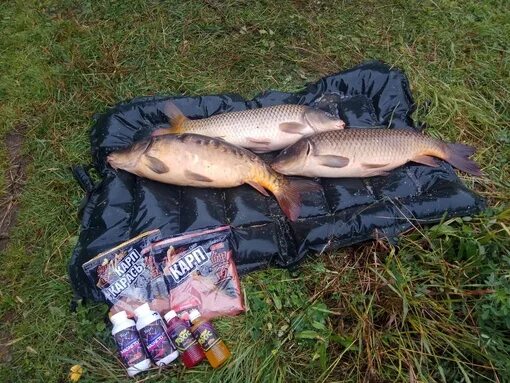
374, 166
177, 119
157, 166
259, 187
196, 177
177, 124
332, 161
292, 127
426, 160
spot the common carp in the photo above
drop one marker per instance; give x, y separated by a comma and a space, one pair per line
260, 130
368, 152
200, 161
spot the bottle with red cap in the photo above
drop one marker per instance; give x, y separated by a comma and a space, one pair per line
180, 334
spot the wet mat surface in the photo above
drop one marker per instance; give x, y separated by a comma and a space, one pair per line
348, 211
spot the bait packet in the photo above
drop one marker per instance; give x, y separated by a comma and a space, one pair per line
200, 273
127, 275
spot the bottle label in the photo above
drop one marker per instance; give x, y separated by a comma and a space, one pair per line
131, 350
206, 335
156, 341
181, 336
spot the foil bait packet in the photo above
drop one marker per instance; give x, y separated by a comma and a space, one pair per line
125, 275
200, 273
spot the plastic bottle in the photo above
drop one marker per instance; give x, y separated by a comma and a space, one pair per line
203, 331
180, 334
130, 348
153, 334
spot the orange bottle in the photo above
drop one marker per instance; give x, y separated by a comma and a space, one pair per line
215, 350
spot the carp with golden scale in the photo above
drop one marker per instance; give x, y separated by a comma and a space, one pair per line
200, 161
369, 152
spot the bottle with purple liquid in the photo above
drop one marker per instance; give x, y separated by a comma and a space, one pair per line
131, 350
153, 334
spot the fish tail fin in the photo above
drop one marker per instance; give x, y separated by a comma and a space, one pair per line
177, 119
458, 156
289, 195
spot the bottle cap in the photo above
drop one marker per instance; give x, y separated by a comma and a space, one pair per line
169, 315
143, 309
119, 317
194, 314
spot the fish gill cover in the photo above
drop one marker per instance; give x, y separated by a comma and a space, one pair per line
348, 211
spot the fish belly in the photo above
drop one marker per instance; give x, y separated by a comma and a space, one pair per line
197, 167
357, 167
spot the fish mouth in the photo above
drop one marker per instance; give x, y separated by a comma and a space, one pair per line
274, 161
282, 169
277, 165
111, 161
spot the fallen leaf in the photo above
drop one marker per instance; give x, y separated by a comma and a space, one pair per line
76, 373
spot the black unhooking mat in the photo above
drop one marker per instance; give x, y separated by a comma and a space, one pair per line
348, 211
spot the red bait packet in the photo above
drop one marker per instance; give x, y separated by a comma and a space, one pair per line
200, 273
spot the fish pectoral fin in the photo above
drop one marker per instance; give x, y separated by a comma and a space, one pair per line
332, 161
196, 177
374, 166
259, 187
377, 173
259, 141
157, 166
259, 145
426, 160
161, 132
292, 127
372, 170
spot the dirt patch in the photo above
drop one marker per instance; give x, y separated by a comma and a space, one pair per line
15, 179
5, 337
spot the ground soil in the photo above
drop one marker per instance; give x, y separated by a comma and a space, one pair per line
15, 179
16, 176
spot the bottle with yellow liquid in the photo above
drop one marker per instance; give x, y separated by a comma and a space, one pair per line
215, 350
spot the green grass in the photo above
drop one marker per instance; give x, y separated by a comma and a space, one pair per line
436, 310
